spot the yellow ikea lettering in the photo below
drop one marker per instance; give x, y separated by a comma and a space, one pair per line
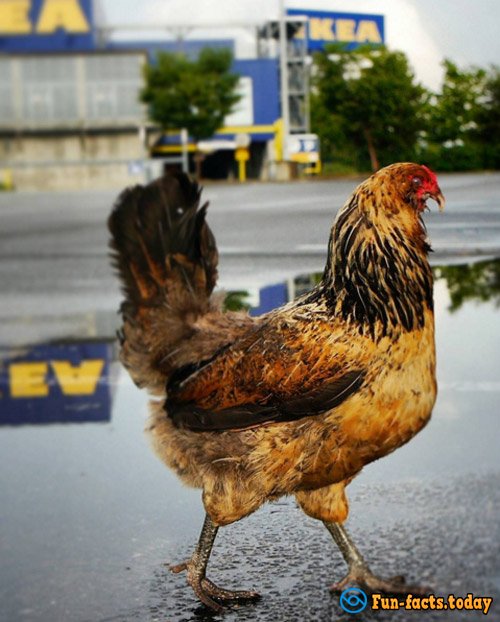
368, 32
28, 380
345, 30
65, 14
14, 17
80, 379
321, 29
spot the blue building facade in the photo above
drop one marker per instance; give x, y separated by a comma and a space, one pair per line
58, 74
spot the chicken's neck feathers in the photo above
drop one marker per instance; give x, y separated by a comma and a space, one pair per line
377, 272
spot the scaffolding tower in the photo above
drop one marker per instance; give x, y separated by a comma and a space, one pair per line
294, 68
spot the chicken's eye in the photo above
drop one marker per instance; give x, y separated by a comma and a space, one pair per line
417, 182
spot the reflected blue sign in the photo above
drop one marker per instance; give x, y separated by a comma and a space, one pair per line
270, 297
46, 25
56, 383
350, 29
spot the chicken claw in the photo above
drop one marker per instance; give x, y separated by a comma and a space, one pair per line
359, 572
207, 591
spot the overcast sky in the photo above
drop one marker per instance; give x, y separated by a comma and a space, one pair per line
466, 31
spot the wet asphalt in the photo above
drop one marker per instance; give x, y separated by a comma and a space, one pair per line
89, 518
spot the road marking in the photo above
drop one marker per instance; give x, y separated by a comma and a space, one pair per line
324, 202
311, 248
301, 249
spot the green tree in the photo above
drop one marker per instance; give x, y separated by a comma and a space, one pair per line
452, 120
328, 89
488, 120
478, 281
374, 100
192, 94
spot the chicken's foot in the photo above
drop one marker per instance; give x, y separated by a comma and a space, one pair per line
196, 567
359, 572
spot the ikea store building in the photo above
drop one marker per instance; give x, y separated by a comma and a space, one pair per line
70, 116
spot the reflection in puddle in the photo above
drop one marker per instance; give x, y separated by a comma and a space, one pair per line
56, 383
476, 281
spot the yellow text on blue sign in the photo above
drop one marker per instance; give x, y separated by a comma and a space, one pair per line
53, 15
30, 379
350, 29
331, 30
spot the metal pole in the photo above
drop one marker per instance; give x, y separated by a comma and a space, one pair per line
184, 147
285, 103
307, 75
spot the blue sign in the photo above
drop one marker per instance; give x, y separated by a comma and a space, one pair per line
350, 29
303, 148
46, 25
56, 383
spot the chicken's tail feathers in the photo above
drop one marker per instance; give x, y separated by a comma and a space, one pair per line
166, 258
162, 247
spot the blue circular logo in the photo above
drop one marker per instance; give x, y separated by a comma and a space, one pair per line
353, 600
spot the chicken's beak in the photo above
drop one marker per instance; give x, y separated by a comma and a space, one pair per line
439, 198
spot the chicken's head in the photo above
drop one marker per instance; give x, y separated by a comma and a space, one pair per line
394, 198
423, 185
414, 183
399, 186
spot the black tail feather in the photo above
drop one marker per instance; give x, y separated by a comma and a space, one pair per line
160, 237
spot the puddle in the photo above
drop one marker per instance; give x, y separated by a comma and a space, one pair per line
89, 517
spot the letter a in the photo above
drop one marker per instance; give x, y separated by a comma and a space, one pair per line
65, 14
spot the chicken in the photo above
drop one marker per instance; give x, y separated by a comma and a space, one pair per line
298, 400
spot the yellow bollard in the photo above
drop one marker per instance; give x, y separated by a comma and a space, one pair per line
242, 170
9, 180
242, 155
6, 179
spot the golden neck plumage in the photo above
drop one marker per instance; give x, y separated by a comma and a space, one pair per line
378, 274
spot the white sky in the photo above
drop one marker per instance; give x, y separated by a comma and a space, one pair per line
426, 30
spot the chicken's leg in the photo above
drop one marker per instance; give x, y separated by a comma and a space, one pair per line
359, 572
196, 568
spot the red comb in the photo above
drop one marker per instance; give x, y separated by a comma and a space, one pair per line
430, 173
